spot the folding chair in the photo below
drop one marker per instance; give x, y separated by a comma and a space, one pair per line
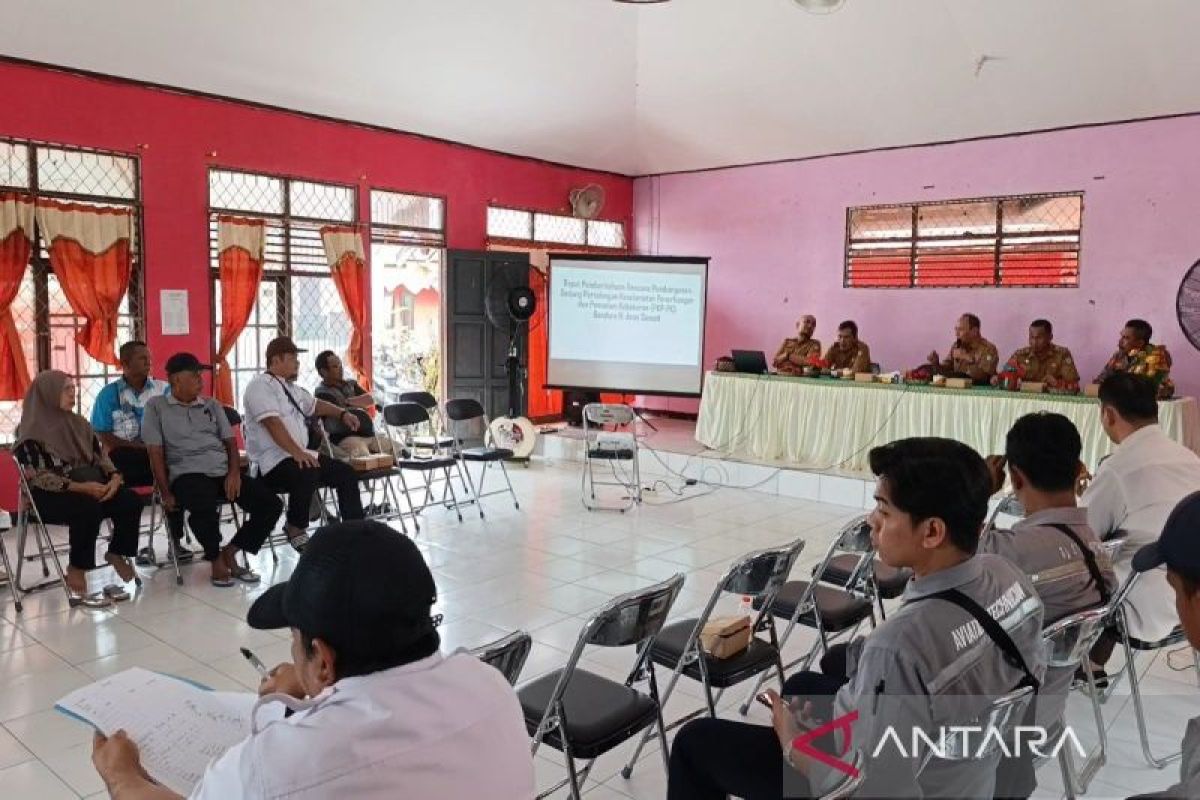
1132, 646
887, 583
585, 715
15, 490
151, 499
436, 439
830, 608
406, 416
1002, 714
507, 654
468, 410
677, 647
1009, 506
1067, 643
380, 477
10, 502
608, 435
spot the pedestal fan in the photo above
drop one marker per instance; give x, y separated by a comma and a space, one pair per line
1187, 305
510, 305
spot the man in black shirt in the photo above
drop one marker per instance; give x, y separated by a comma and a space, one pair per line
336, 389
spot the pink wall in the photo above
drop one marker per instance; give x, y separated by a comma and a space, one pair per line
776, 237
175, 133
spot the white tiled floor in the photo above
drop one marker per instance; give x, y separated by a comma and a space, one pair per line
541, 569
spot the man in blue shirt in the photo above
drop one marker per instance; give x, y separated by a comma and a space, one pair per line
117, 420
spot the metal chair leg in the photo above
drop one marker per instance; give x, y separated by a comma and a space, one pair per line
504, 472
1139, 710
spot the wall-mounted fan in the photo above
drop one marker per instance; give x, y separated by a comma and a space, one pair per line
510, 305
1187, 305
587, 201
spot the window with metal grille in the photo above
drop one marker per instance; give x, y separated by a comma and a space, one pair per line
44, 320
297, 297
553, 230
408, 240
1025, 240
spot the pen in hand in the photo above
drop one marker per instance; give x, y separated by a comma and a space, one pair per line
255, 662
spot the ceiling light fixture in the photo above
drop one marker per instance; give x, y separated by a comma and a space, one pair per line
820, 6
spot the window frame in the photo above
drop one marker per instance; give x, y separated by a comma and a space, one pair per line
39, 271
1000, 237
545, 244
280, 276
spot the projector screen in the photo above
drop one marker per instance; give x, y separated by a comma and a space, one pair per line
632, 324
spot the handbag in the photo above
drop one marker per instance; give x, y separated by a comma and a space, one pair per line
87, 473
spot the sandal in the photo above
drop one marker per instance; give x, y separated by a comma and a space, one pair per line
223, 583
116, 593
95, 600
298, 542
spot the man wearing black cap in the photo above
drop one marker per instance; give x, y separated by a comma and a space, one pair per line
1178, 549
378, 712
195, 461
278, 427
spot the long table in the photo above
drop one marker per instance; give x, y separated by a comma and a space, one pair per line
831, 424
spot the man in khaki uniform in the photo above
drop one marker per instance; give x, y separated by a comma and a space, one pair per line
970, 355
794, 353
849, 352
1043, 361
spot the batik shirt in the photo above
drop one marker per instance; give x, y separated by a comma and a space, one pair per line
856, 359
1152, 361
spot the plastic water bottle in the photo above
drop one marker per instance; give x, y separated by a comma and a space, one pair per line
746, 606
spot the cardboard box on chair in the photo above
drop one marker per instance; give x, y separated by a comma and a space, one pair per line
725, 637
372, 462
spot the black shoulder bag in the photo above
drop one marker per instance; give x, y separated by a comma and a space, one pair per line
312, 423
1015, 777
1089, 558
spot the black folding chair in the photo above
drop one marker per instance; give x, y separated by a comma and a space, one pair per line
677, 647
462, 412
585, 715
507, 654
832, 609
404, 417
436, 439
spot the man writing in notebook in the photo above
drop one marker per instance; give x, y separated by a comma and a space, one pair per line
376, 710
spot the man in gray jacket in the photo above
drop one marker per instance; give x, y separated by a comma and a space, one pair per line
1053, 544
930, 666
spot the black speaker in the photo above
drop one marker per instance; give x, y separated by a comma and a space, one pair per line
573, 403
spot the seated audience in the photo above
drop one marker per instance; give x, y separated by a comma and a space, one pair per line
971, 355
849, 352
1041, 362
197, 468
347, 394
1053, 543
794, 354
1178, 550
74, 483
378, 711
280, 441
1136, 355
117, 420
929, 665
1133, 492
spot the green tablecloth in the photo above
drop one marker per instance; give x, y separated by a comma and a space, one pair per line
826, 424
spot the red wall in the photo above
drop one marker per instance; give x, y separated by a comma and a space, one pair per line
175, 135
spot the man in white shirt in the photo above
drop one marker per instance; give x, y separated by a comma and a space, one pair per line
1134, 491
277, 424
377, 711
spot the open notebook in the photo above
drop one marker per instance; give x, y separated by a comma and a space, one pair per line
178, 726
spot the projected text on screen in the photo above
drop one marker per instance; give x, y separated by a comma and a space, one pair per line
658, 312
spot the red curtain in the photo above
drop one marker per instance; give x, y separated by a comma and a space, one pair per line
16, 245
90, 253
240, 245
542, 402
347, 265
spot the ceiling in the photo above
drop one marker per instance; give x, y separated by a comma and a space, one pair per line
686, 84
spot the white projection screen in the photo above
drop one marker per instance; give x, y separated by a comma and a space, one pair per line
632, 324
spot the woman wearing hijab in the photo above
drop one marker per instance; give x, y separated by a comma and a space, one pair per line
74, 483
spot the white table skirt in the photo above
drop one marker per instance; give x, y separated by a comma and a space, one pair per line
826, 424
